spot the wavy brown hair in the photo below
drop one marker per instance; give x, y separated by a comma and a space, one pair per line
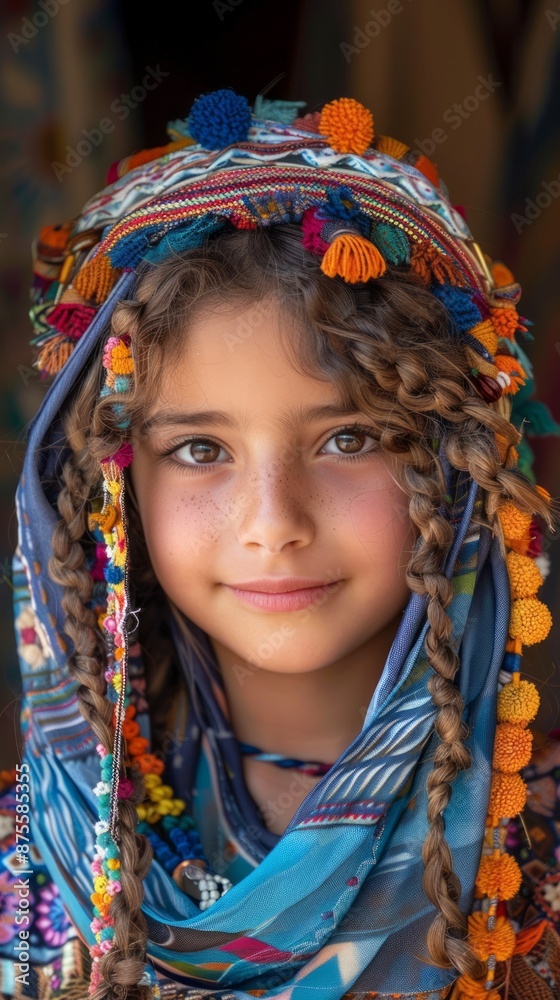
386, 346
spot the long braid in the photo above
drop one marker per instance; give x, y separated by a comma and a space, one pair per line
123, 966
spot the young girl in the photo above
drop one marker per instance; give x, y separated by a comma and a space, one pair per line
279, 551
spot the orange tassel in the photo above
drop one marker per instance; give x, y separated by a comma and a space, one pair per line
429, 263
353, 258
96, 278
529, 937
391, 147
55, 354
507, 363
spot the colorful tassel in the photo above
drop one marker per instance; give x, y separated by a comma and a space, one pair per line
353, 258
71, 318
96, 278
431, 265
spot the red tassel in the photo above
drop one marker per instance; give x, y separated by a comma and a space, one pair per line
71, 318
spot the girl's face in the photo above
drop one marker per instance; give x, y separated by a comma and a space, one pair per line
245, 470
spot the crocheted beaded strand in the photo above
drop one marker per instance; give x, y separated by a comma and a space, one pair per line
491, 934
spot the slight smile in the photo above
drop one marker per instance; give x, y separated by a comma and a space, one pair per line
283, 593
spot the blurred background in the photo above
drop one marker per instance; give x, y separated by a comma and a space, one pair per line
474, 84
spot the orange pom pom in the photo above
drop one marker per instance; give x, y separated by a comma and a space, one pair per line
525, 577
514, 522
148, 763
473, 989
512, 747
353, 258
137, 745
502, 274
499, 942
505, 320
348, 125
530, 620
518, 703
499, 877
96, 278
508, 794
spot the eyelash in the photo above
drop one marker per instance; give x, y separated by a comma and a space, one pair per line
167, 456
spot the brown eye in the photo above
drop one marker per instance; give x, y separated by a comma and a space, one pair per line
199, 451
350, 441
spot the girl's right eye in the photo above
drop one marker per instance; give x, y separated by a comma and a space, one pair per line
198, 453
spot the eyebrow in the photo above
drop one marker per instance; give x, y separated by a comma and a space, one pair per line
197, 418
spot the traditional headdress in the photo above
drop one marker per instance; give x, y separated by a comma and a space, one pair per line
364, 202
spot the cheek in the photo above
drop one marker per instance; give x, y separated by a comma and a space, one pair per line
381, 524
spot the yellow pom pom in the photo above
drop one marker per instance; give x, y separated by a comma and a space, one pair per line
113, 864
499, 877
512, 747
499, 942
508, 794
530, 620
518, 703
514, 522
353, 258
525, 577
347, 125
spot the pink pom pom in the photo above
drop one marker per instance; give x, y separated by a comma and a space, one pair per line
96, 868
101, 750
113, 887
126, 788
106, 946
110, 624
311, 227
109, 674
123, 456
96, 925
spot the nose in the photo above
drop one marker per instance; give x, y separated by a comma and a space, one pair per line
276, 509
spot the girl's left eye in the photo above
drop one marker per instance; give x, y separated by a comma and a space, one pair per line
350, 441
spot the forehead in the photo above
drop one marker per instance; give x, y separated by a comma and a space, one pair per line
242, 362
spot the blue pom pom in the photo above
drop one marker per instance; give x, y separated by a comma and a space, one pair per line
113, 574
459, 303
220, 118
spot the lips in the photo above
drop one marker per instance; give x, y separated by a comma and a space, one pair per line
279, 585
285, 600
